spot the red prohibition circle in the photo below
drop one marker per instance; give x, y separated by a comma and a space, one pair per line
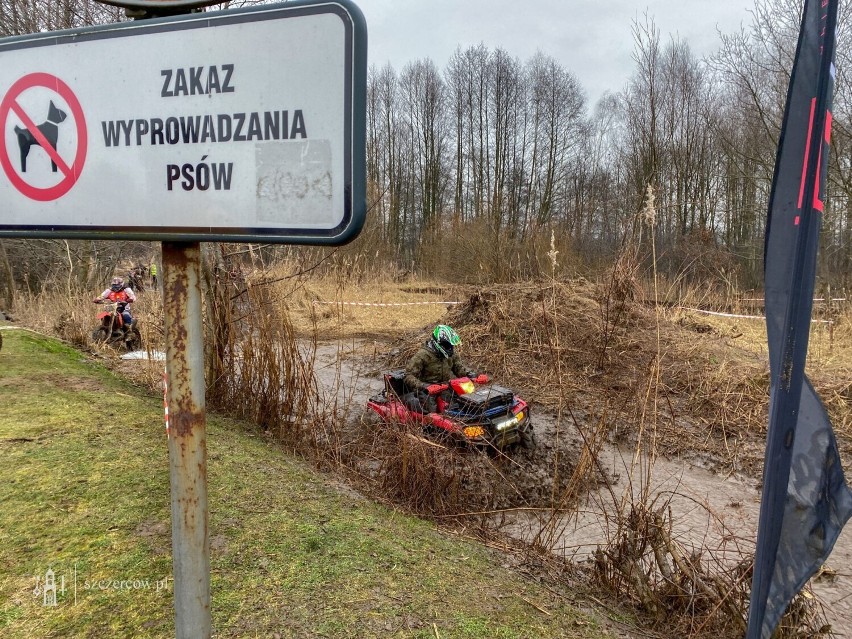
72, 172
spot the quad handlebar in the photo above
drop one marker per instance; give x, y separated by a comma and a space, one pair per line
435, 389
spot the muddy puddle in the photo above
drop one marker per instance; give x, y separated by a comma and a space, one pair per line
709, 511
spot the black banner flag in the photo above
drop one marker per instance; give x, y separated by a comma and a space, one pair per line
805, 499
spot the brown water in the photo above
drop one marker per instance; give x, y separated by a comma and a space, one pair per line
712, 512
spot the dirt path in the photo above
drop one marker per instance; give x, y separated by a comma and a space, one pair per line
709, 511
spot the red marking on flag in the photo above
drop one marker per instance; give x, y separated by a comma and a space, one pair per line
807, 153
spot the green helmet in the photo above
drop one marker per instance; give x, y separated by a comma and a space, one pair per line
445, 339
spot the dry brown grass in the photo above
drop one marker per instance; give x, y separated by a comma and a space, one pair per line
344, 300
426, 476
356, 311
719, 366
688, 591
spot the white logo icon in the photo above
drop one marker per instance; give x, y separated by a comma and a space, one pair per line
48, 590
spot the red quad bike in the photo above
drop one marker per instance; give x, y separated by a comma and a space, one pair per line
486, 416
112, 330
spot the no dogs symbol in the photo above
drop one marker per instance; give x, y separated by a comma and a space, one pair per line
44, 137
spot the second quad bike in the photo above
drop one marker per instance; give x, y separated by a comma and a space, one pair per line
482, 415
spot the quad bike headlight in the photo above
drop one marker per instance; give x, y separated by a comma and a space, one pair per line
507, 423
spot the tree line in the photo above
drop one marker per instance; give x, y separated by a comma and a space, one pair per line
509, 150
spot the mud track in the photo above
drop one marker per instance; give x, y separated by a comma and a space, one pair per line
566, 502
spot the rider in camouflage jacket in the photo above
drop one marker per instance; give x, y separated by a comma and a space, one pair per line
435, 363
428, 366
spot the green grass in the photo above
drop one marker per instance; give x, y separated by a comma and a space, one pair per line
84, 491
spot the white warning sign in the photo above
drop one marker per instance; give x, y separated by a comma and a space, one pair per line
232, 126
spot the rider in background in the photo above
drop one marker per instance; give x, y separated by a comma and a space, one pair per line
121, 295
436, 363
136, 277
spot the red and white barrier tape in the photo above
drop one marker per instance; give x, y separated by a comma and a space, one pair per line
816, 299
758, 317
166, 400
384, 303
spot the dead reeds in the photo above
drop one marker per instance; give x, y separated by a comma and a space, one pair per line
256, 368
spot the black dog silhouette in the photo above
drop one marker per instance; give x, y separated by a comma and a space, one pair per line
49, 130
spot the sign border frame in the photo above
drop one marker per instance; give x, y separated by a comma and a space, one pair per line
355, 126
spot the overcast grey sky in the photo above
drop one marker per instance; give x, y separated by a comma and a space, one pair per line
590, 38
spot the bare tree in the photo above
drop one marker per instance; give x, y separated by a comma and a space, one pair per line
557, 105
422, 91
18, 17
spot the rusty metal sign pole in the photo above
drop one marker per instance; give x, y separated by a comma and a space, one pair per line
187, 438
184, 333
